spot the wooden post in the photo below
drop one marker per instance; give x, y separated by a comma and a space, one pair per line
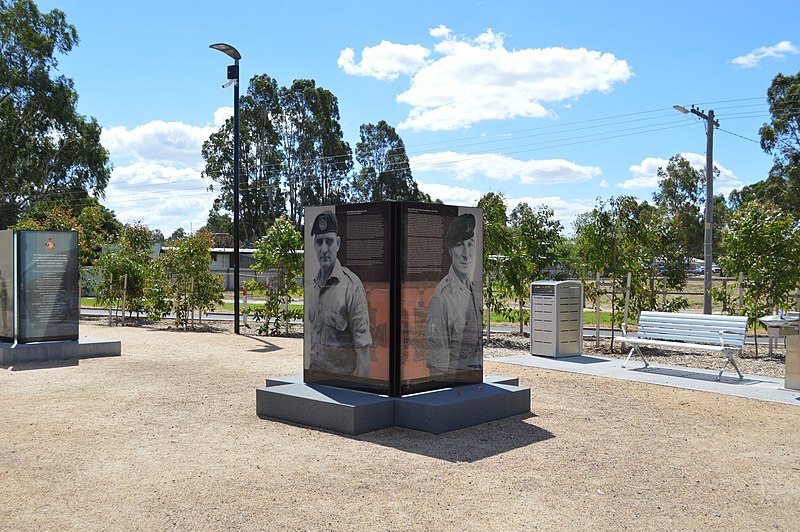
741, 291
627, 304
110, 299
124, 296
597, 311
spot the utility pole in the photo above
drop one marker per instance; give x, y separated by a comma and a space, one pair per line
709, 222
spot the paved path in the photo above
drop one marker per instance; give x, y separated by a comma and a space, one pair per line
753, 387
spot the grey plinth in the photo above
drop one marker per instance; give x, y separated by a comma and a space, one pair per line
464, 406
326, 407
47, 351
352, 412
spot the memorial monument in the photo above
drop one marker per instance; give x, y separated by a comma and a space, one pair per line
40, 299
393, 307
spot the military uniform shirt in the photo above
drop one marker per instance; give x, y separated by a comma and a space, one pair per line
455, 323
339, 320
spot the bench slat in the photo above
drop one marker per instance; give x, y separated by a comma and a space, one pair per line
678, 345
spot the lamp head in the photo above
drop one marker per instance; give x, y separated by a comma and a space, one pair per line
227, 49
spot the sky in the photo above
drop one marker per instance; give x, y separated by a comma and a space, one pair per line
549, 103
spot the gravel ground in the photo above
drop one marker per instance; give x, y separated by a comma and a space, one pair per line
166, 437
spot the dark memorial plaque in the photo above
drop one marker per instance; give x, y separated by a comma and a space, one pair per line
393, 296
47, 286
347, 288
7, 285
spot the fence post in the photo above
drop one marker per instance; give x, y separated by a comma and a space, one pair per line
110, 299
741, 291
597, 311
627, 304
124, 296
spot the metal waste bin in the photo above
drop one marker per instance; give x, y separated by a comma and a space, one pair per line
557, 318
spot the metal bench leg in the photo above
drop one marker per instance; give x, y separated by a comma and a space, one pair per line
730, 360
630, 354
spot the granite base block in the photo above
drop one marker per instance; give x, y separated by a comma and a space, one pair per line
62, 350
460, 407
326, 407
353, 412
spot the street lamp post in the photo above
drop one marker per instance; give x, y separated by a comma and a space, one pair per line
709, 225
233, 78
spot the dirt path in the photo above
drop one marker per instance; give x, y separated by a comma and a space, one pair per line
166, 437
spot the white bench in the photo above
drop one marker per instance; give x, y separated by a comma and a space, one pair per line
720, 334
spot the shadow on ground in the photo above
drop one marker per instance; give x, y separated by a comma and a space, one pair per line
465, 445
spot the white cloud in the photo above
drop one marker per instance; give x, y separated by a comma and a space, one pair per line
158, 141
778, 51
466, 167
646, 173
387, 60
221, 115
563, 210
603, 183
161, 196
479, 79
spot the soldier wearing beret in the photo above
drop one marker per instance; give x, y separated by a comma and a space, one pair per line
336, 309
455, 313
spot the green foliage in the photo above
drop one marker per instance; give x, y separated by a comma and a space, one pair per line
385, 171
123, 267
194, 287
535, 241
48, 152
764, 243
95, 226
624, 236
292, 153
497, 242
277, 253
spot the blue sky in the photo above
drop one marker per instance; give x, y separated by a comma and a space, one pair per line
554, 103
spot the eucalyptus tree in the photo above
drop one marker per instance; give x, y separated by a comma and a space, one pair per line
781, 139
48, 151
292, 154
385, 172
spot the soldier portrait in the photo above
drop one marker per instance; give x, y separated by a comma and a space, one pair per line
455, 311
336, 308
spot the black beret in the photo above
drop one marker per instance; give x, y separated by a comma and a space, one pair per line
462, 228
325, 222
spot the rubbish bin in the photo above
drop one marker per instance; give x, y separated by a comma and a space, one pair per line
557, 318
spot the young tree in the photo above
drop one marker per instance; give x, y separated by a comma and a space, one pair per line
497, 242
48, 152
122, 267
536, 238
624, 236
277, 253
385, 171
194, 287
764, 243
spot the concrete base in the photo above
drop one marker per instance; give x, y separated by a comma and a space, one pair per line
353, 412
464, 406
326, 407
46, 351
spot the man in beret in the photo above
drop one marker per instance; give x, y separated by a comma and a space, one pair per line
455, 313
336, 308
